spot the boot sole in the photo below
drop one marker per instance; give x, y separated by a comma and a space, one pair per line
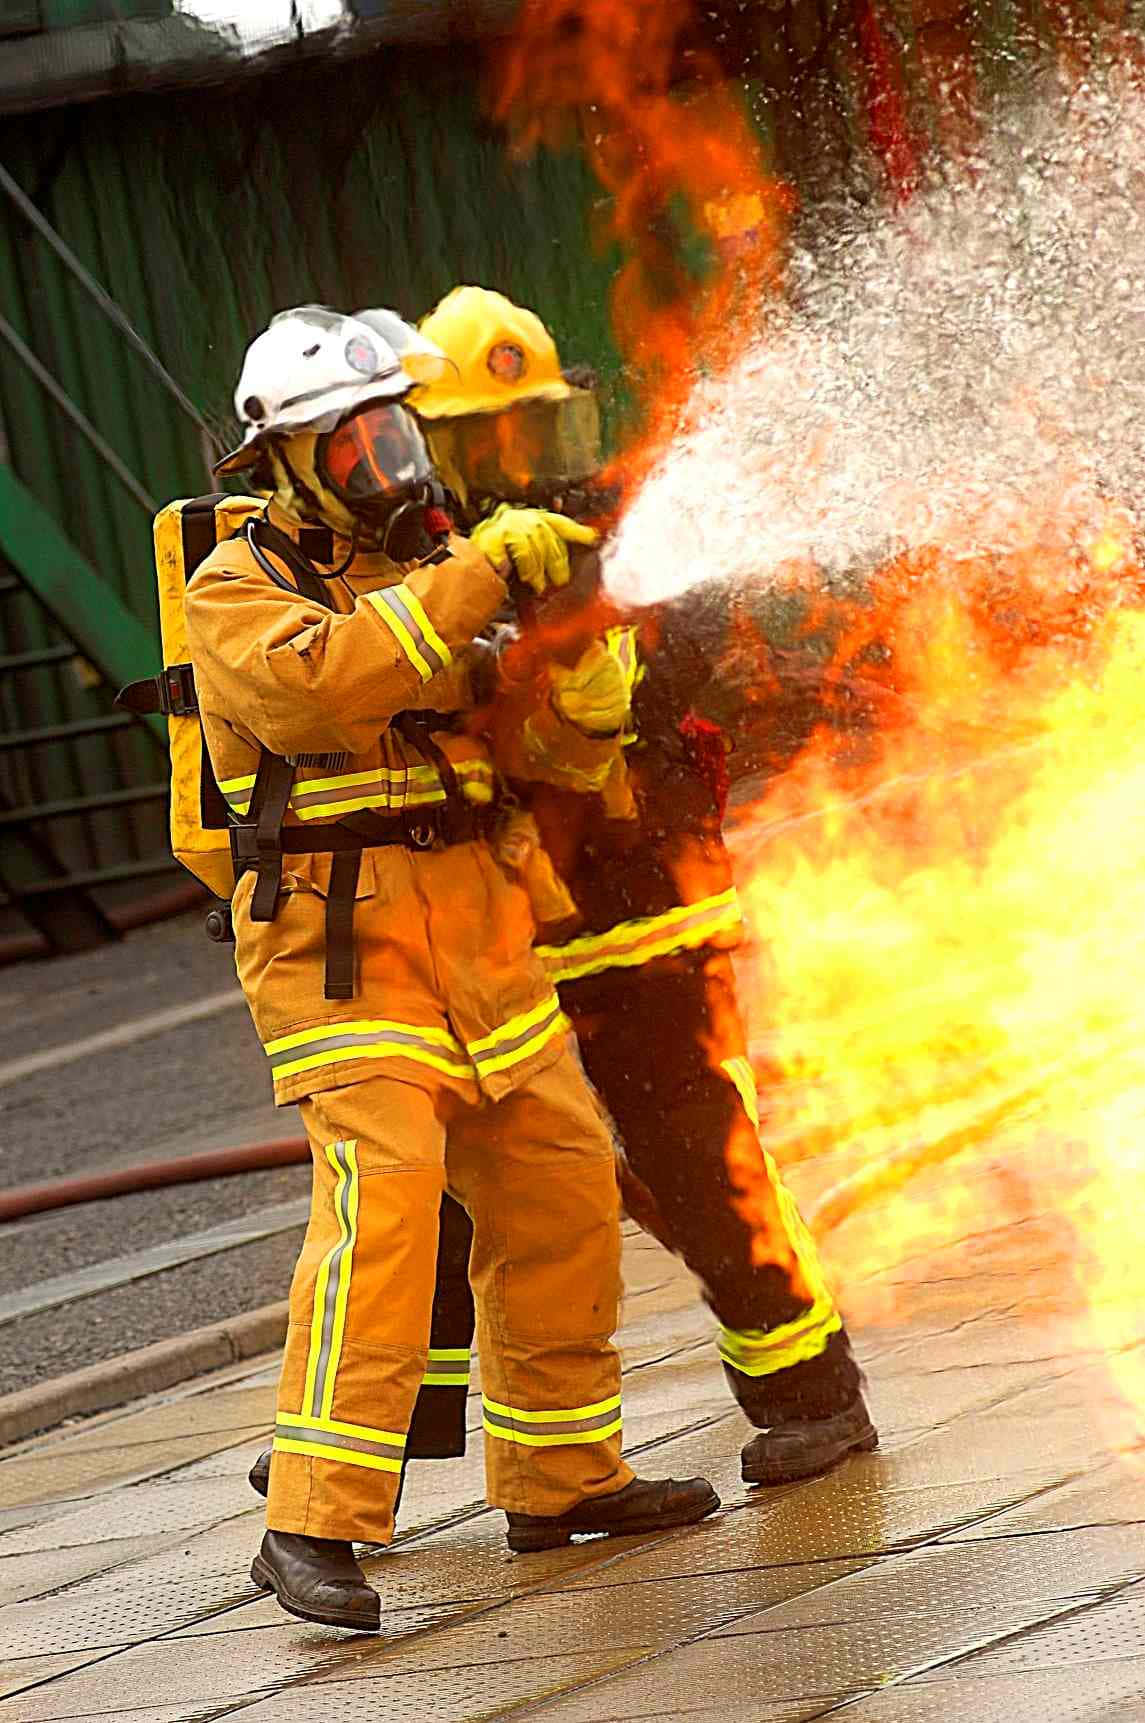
528, 1540
760, 1471
266, 1580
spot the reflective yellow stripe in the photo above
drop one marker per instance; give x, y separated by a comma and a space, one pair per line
364, 1026
417, 611
525, 1439
740, 1071
330, 1043
559, 1026
405, 617
385, 787
631, 943
513, 1028
328, 1319
562, 1415
377, 799
342, 1293
760, 1352
343, 1456
554, 1427
401, 634
338, 1427
347, 780
447, 1367
321, 1287
229, 784
519, 1038
376, 1050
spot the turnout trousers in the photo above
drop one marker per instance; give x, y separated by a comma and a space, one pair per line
664, 1046
534, 1172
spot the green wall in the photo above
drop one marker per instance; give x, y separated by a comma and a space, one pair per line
202, 212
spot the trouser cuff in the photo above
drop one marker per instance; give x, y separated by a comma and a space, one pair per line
817, 1388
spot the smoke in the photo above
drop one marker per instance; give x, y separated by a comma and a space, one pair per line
963, 371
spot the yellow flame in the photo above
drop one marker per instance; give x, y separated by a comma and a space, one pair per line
950, 947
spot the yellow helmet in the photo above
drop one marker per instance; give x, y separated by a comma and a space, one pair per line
501, 352
506, 424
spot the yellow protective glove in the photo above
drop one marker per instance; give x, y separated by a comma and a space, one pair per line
530, 543
594, 694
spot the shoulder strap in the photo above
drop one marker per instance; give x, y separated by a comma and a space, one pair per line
198, 530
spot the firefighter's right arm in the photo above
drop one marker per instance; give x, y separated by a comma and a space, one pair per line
303, 679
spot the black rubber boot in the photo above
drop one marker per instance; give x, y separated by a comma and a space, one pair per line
317, 1579
804, 1447
644, 1505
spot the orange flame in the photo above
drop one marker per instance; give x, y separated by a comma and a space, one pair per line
944, 869
948, 910
679, 159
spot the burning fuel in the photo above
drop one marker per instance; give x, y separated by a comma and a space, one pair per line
936, 449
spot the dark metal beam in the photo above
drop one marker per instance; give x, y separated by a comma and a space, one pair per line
88, 610
101, 298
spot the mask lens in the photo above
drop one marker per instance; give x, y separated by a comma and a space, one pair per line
377, 453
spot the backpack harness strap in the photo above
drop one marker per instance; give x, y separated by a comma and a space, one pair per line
261, 841
172, 692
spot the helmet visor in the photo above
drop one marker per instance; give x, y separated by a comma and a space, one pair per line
374, 455
530, 447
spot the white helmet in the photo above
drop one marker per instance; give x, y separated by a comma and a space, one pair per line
312, 366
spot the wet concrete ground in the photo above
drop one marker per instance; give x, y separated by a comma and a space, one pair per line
988, 1563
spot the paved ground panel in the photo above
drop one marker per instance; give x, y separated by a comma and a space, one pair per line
987, 1563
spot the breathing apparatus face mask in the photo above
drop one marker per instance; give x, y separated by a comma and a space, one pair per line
376, 463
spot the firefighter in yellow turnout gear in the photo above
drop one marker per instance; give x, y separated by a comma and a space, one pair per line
645, 974
387, 958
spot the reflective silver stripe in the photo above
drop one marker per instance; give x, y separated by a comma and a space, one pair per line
498, 1422
360, 1039
323, 1438
394, 792
391, 597
447, 1367
333, 1275
632, 943
501, 1048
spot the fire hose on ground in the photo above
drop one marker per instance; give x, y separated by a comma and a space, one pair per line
833, 1206
23, 1200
